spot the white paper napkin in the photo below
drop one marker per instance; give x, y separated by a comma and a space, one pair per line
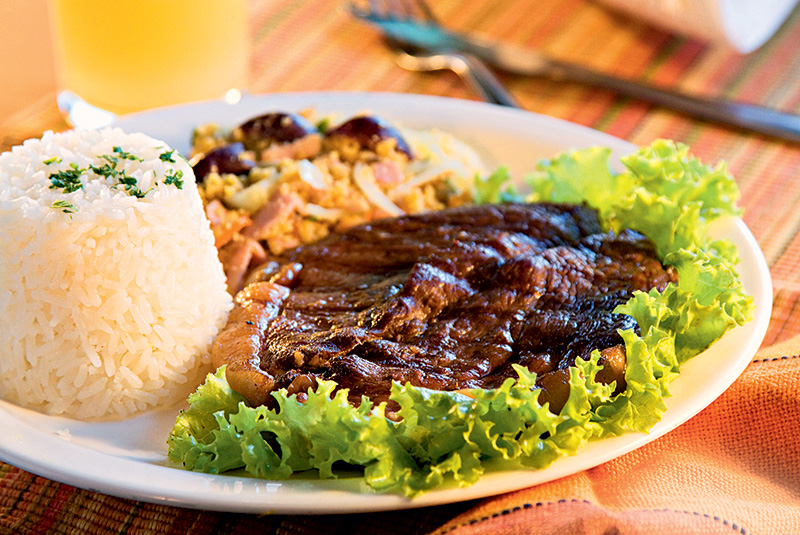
742, 24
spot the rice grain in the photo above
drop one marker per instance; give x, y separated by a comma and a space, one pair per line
110, 295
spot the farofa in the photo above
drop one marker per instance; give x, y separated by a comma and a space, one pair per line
296, 190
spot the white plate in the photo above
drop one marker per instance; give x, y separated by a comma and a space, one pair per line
128, 458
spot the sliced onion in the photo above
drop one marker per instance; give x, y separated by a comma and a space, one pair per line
362, 175
435, 147
320, 212
428, 175
311, 175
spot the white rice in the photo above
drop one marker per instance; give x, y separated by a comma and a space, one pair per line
108, 302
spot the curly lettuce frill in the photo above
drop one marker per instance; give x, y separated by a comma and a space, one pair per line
449, 438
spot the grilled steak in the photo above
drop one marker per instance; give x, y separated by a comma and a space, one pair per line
444, 300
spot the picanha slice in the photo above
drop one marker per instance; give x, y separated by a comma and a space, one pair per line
445, 300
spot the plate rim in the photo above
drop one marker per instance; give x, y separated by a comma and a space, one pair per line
245, 494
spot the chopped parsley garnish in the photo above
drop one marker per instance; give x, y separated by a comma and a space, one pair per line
174, 178
65, 206
68, 180
126, 155
107, 170
113, 160
131, 186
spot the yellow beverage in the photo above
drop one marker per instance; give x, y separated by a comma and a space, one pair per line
127, 55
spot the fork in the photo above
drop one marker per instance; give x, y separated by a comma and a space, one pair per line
474, 71
403, 26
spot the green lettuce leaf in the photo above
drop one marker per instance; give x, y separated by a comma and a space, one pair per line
450, 438
495, 188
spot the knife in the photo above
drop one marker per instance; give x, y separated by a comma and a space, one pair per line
527, 62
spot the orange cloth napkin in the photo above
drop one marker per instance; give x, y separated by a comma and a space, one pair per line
733, 468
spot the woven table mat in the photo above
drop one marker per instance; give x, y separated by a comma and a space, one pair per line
309, 45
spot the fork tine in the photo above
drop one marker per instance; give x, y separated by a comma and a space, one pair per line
377, 8
357, 10
369, 9
400, 9
413, 9
427, 12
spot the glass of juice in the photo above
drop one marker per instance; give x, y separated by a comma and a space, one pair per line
128, 55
